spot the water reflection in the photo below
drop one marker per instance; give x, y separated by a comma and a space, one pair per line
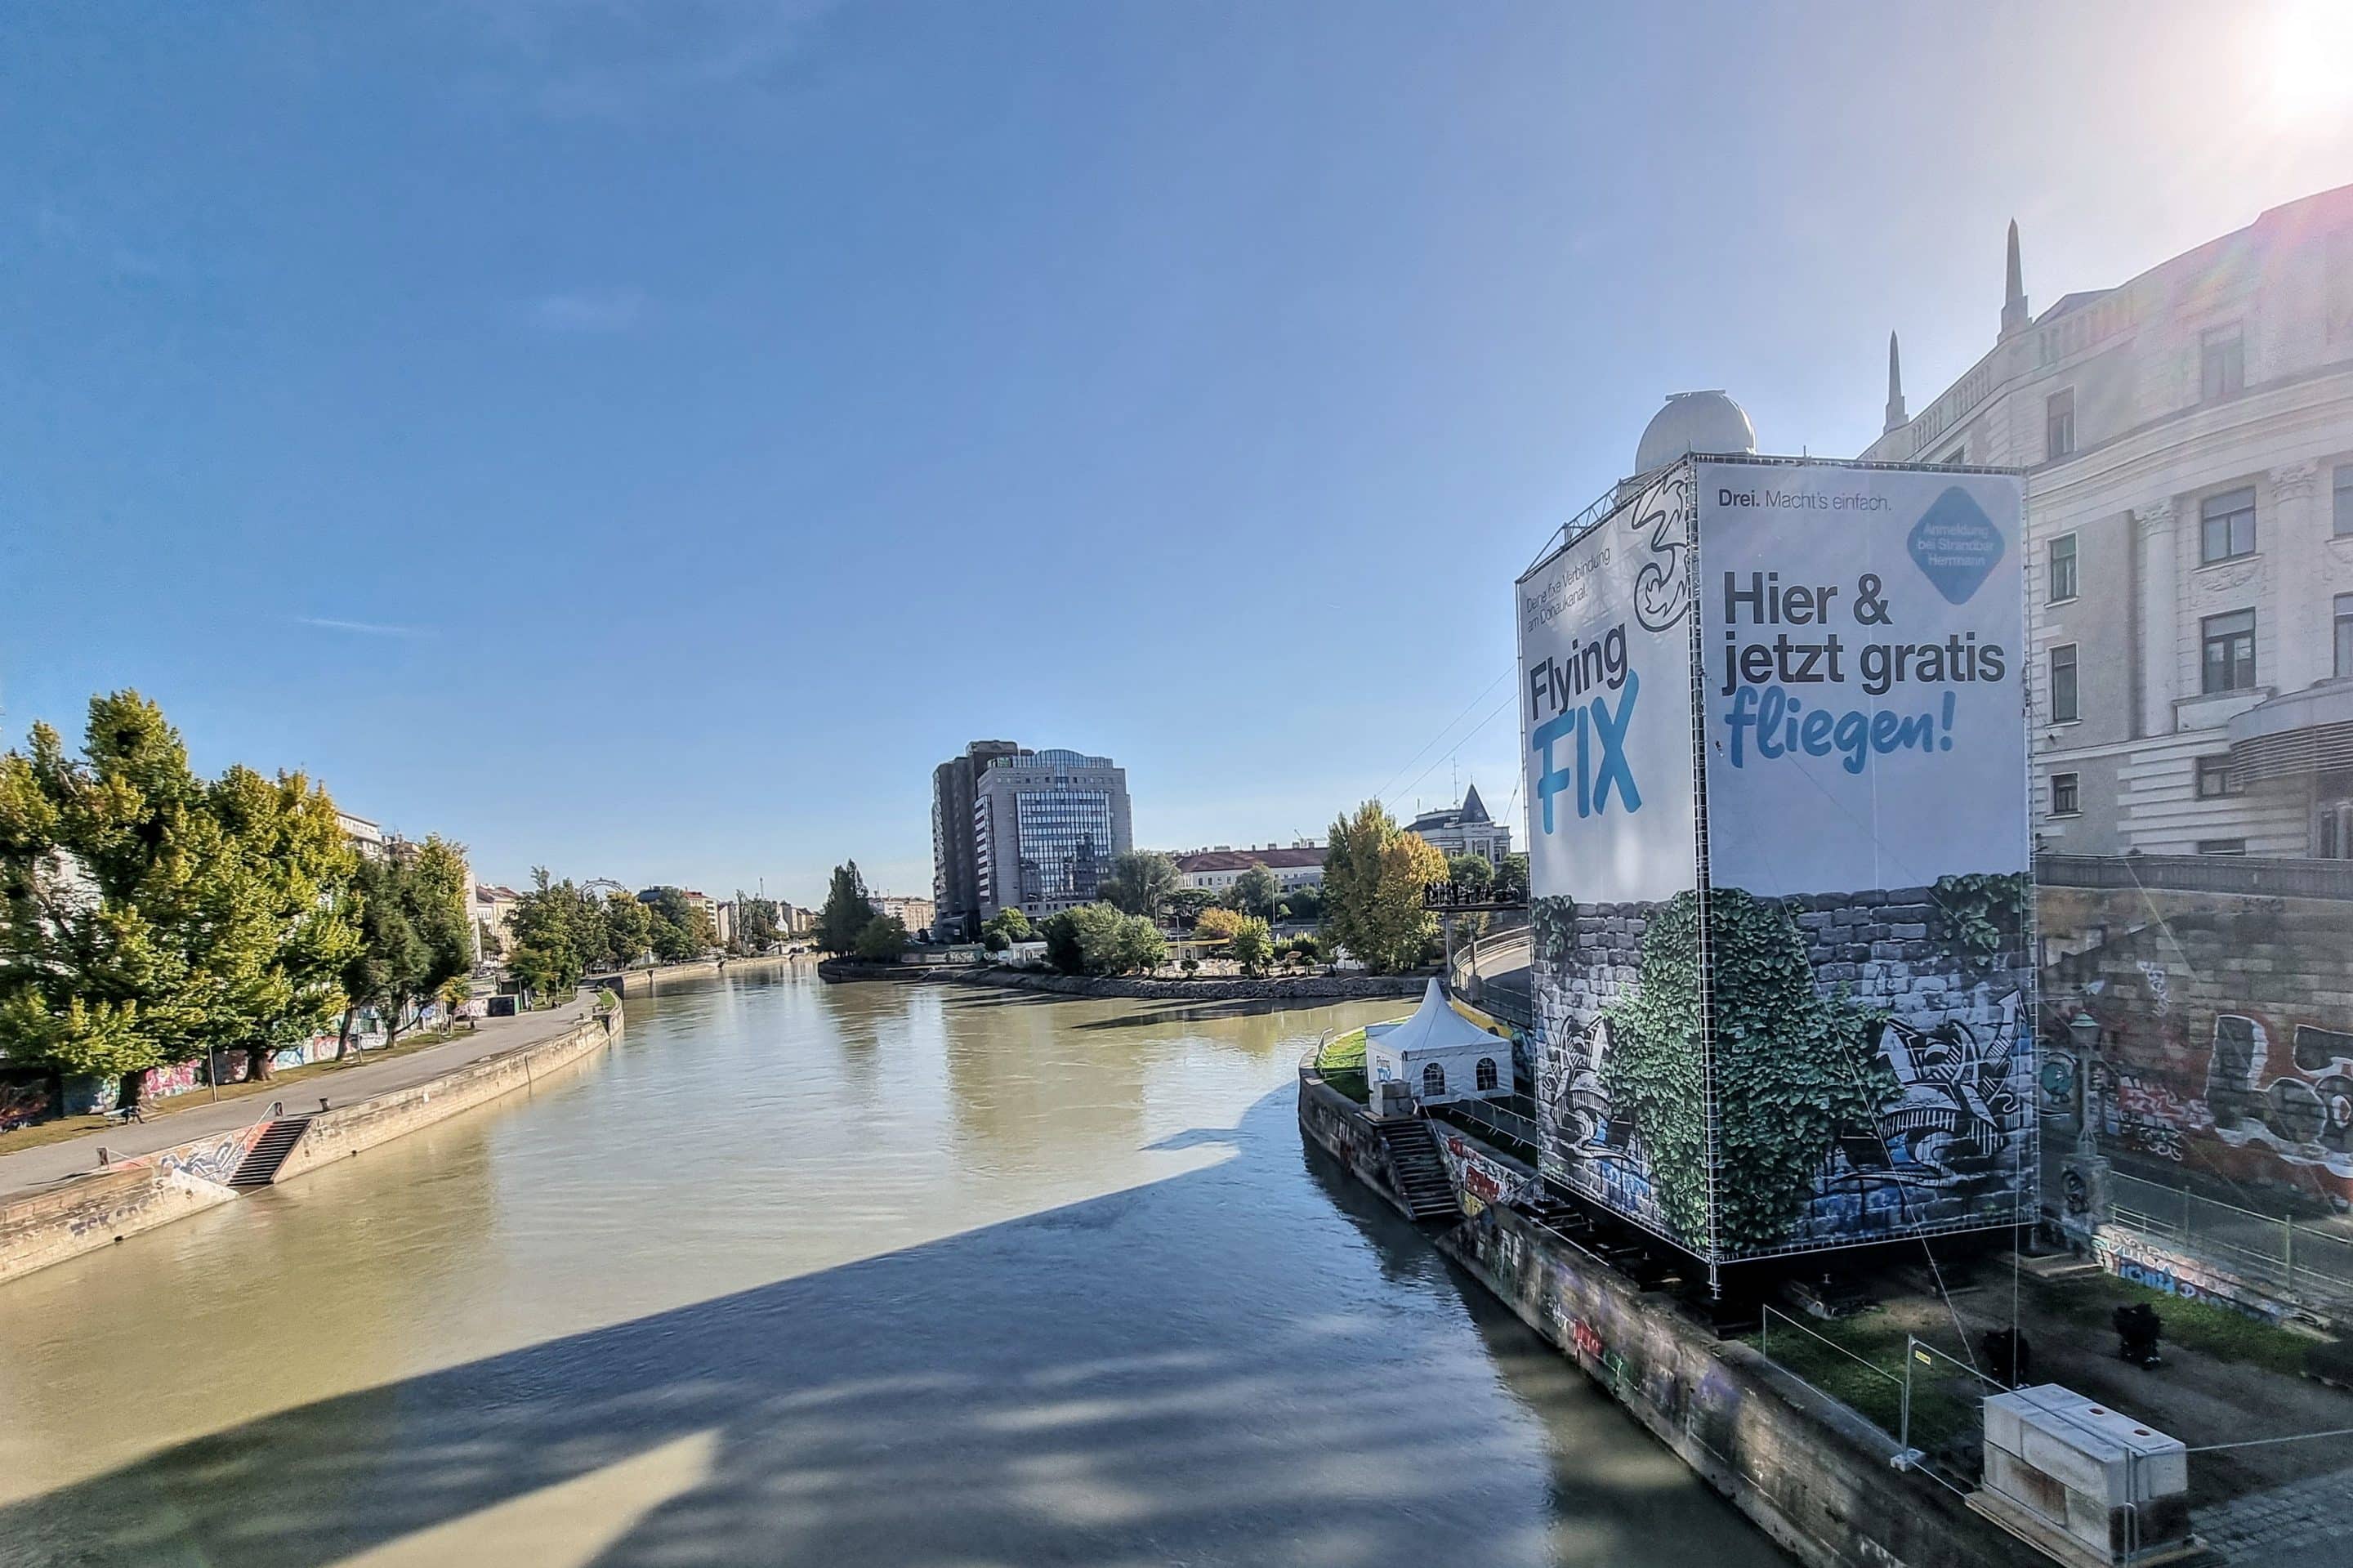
1055, 1293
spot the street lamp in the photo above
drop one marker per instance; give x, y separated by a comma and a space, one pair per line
2084, 1033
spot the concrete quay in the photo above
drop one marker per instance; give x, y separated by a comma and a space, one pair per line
49, 1220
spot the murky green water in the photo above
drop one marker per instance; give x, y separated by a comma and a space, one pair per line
831, 1276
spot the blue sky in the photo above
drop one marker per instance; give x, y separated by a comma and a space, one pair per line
642, 439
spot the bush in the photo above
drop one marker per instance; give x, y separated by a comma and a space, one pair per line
1252, 947
1097, 939
882, 940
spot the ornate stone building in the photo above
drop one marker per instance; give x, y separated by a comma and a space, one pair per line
2187, 438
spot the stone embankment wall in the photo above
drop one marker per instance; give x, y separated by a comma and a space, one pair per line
1809, 1473
1273, 988
172, 1184
645, 982
96, 1212
347, 1130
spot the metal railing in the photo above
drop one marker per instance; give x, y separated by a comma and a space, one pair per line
2300, 1262
2279, 878
1477, 1117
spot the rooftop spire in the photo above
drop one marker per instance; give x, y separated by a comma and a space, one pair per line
1895, 417
2013, 299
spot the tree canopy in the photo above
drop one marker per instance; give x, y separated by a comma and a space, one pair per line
147, 915
1255, 892
1141, 882
1098, 939
1374, 875
848, 910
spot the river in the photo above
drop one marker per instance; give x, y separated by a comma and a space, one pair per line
827, 1275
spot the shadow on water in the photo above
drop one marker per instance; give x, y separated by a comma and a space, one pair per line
1231, 1365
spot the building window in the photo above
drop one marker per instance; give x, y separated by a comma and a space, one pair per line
1433, 1081
2059, 424
2066, 705
2063, 568
2344, 665
2222, 363
2343, 526
2221, 846
2226, 526
2227, 651
1484, 1075
2215, 779
2066, 794
1956, 457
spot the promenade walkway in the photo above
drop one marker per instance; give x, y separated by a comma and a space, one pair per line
33, 1169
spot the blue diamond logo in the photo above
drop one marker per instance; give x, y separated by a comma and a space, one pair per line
1955, 546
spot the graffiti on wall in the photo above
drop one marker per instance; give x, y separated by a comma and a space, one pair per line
2298, 1103
21, 1105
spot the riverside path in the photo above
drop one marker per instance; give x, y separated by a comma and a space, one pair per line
31, 1170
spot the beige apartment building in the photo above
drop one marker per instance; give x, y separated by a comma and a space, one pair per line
2187, 442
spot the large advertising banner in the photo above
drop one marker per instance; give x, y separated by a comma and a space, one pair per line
1869, 857
1812, 1030
1605, 670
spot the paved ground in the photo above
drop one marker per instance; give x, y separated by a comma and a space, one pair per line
2309, 1523
36, 1168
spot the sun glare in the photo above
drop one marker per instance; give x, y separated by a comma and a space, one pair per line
2312, 59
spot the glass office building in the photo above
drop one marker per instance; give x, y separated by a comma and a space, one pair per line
1045, 827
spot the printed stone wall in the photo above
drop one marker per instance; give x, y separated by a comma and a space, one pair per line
1952, 1144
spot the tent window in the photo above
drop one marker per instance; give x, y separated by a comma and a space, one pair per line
1433, 1081
1484, 1073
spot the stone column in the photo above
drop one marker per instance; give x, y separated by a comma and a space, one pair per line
2302, 642
2158, 612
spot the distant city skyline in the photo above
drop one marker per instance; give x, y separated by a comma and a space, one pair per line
534, 459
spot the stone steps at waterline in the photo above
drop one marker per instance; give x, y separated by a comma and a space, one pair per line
260, 1166
1420, 1173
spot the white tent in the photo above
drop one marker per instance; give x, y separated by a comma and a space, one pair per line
1438, 1054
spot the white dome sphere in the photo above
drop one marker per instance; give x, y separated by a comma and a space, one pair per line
1693, 422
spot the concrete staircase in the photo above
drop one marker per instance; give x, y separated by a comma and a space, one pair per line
1418, 1169
260, 1164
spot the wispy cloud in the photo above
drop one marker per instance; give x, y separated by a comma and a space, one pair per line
608, 58
589, 309
363, 628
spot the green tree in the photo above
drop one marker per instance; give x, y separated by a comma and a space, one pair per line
1185, 905
1470, 873
1141, 947
389, 961
1253, 946
1512, 876
1141, 882
559, 930
1792, 1068
1255, 892
1217, 924
627, 929
1004, 928
682, 927
884, 940
146, 916
1303, 903
455, 993
1374, 875
1097, 939
756, 926
415, 934
848, 910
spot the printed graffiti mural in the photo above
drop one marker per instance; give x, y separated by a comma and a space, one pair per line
21, 1105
